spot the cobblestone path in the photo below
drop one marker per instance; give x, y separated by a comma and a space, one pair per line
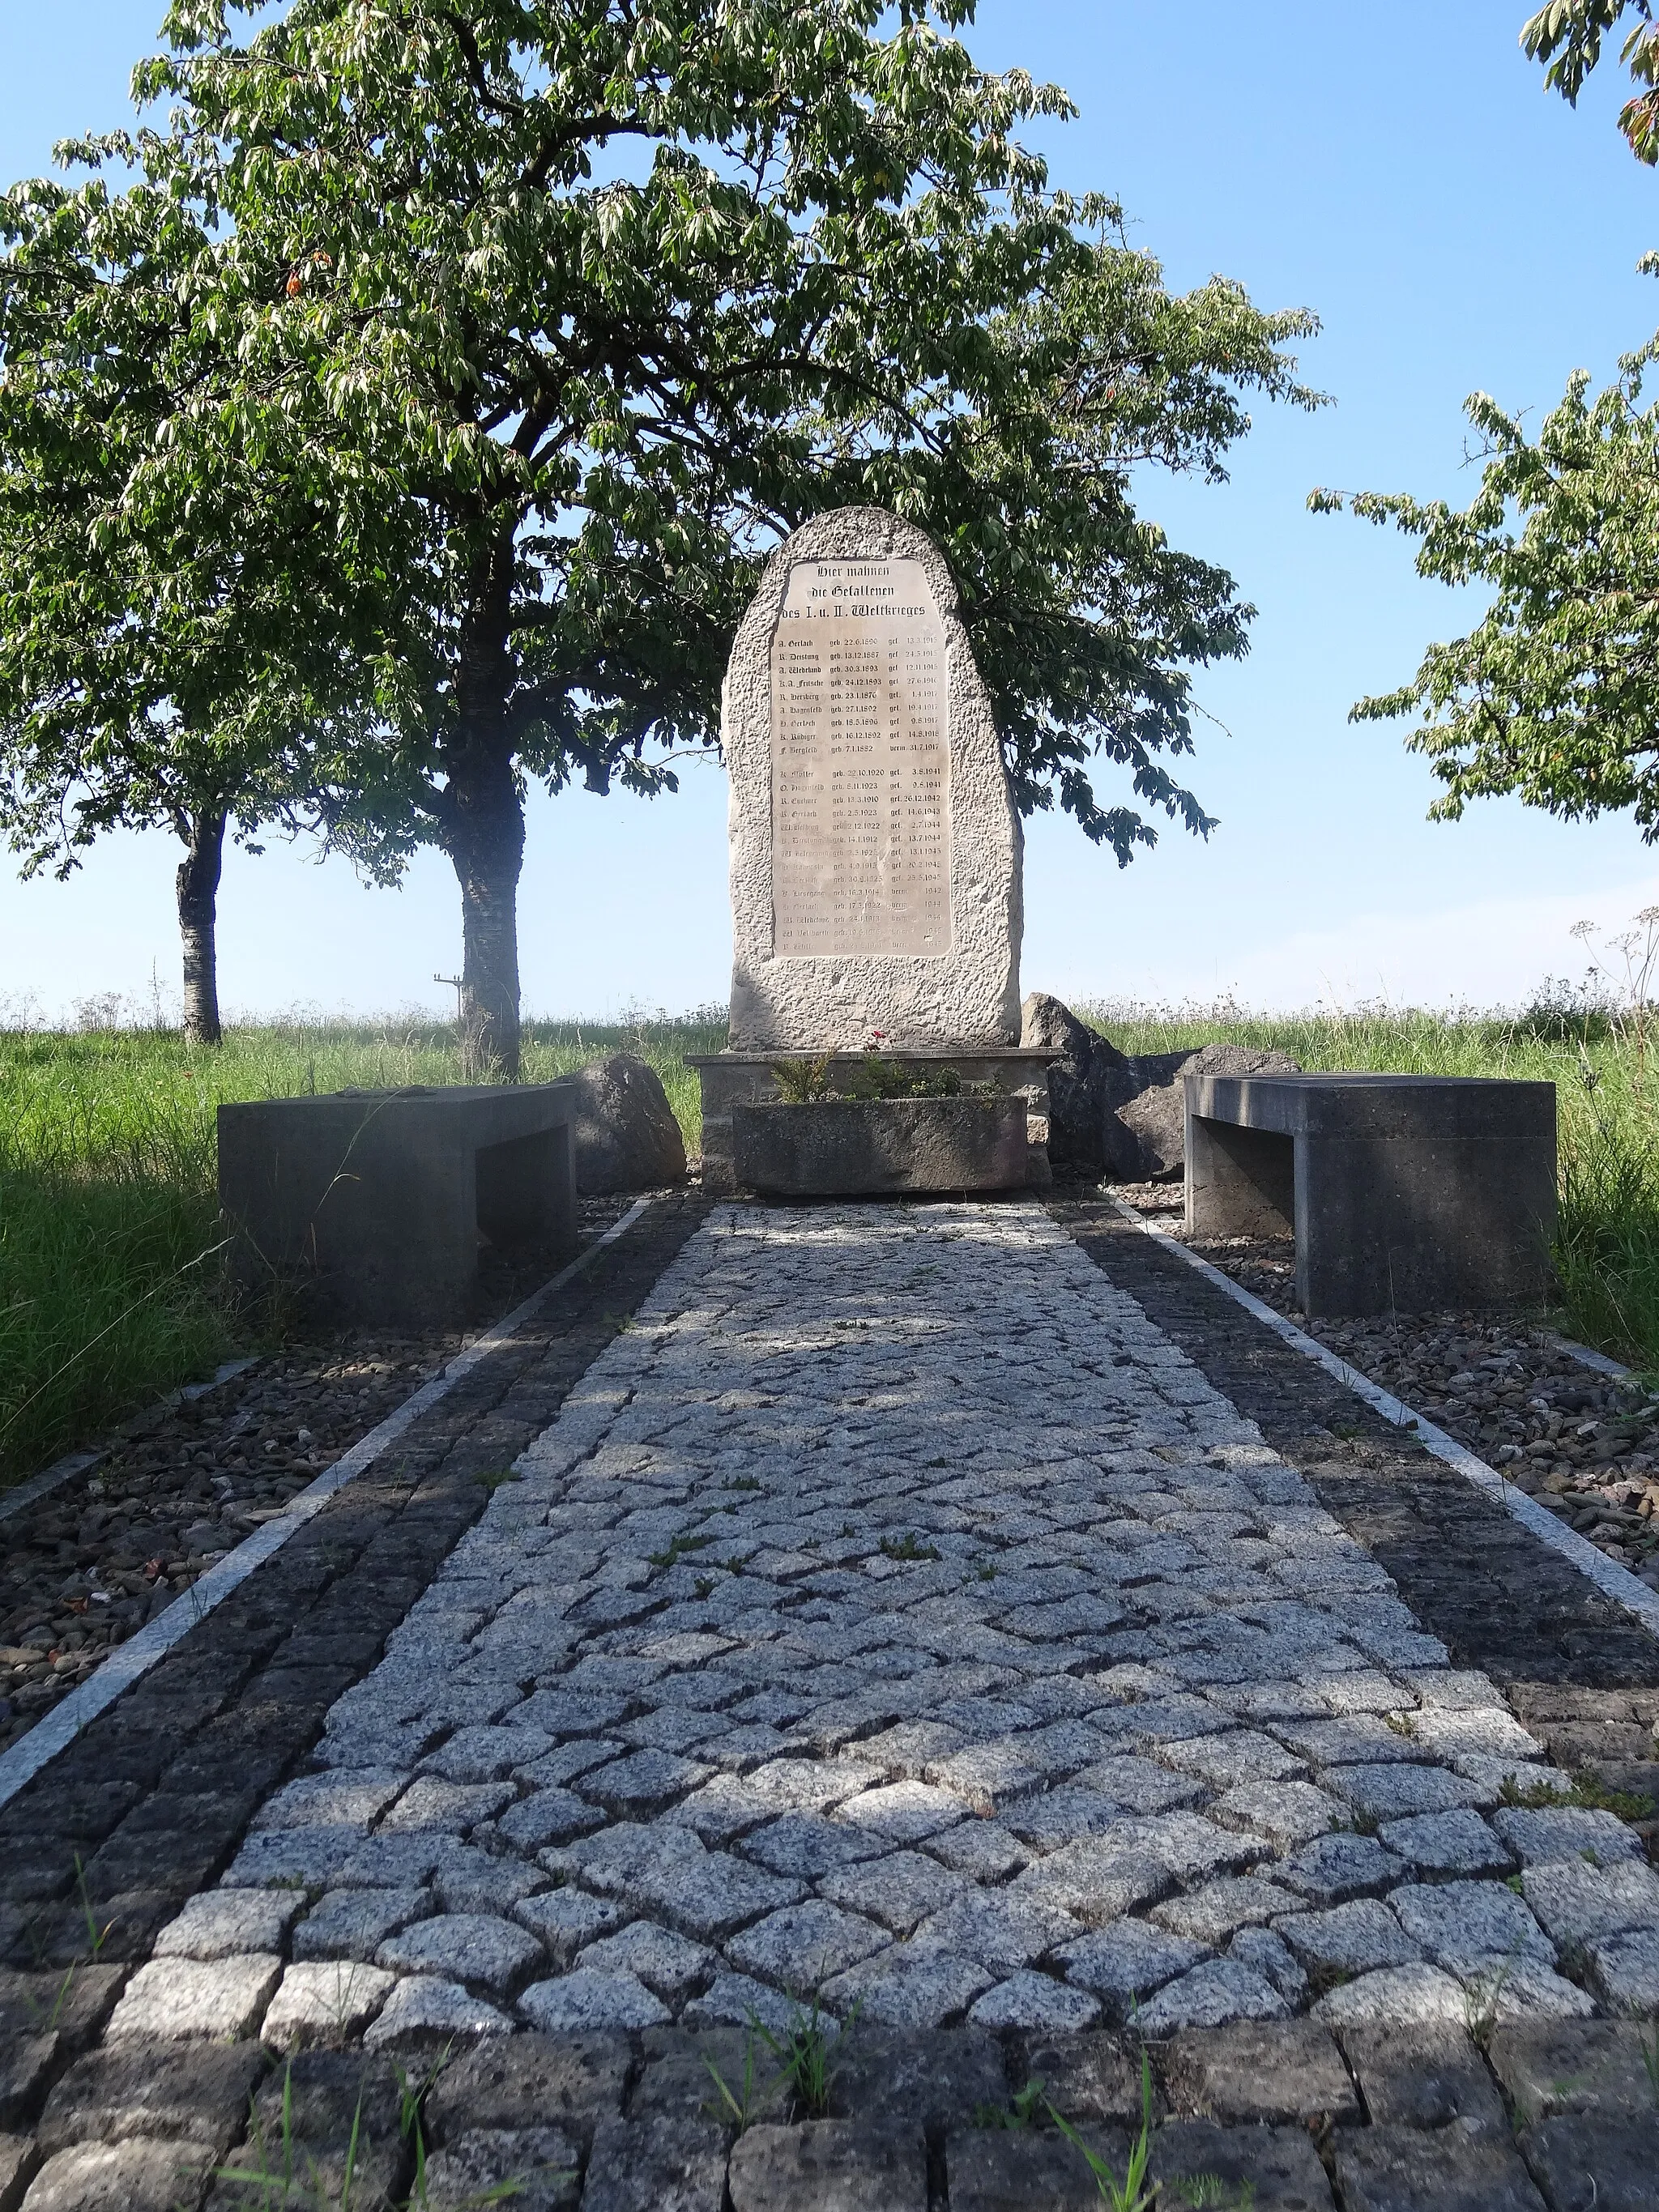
893, 1616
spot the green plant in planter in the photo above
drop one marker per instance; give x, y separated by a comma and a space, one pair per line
802, 1082
876, 1077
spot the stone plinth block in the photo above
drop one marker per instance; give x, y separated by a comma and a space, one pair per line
870, 1147
374, 1202
1404, 1193
733, 1080
875, 851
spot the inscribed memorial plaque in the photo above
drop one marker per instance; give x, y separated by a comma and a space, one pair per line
860, 763
875, 849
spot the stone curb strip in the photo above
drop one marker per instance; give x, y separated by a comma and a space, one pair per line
1613, 1581
82, 1462
132, 1660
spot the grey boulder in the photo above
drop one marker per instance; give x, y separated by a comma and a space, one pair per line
627, 1138
1087, 1084
1116, 1118
1155, 1117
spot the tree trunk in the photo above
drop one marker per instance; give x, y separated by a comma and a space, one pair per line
484, 821
197, 883
486, 844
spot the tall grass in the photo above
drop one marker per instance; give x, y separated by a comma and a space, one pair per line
1601, 1060
110, 1284
110, 1277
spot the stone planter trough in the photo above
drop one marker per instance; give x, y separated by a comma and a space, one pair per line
867, 1147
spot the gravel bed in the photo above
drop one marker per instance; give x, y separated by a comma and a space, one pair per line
182, 1485
1582, 1443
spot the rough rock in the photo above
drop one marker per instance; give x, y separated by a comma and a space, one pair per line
627, 1138
1155, 1116
1120, 1118
1086, 1084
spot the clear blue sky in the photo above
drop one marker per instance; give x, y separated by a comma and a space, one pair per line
1402, 174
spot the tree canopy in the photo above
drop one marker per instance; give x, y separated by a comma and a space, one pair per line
1566, 35
565, 311
176, 646
1552, 695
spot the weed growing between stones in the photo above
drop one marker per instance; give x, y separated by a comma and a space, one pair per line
1134, 2193
1021, 2109
907, 1547
806, 2070
1482, 1994
805, 2049
1587, 1794
280, 2176
677, 1549
742, 2107
96, 1939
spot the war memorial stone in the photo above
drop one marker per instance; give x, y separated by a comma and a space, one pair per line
875, 849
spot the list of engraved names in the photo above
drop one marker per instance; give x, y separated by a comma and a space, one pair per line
860, 764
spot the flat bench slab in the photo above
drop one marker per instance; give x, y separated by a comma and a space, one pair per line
1404, 1192
374, 1203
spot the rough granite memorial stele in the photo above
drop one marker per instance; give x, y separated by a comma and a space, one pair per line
875, 849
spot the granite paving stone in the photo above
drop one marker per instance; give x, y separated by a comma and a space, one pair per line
585, 1999
1423, 2076
1210, 1996
353, 1924
423, 2008
325, 2003
218, 1924
139, 2175
1127, 1960
1331, 1870
1578, 1901
182, 2091
541, 2165
1270, 2169
217, 2000
990, 2172
1397, 2170
1625, 1970
1595, 2166
483, 1950
1448, 1844
895, 1614
1269, 1954
1355, 1938
1271, 2074
1538, 1838
1464, 1925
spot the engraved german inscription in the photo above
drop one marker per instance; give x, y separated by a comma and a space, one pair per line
860, 764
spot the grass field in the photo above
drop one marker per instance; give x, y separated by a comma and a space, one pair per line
109, 1236
109, 1239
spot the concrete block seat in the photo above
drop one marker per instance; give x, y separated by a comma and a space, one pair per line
375, 1202
1404, 1192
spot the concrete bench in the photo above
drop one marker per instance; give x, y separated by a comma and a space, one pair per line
1404, 1192
375, 1202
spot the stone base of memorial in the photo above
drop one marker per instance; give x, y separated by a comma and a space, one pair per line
732, 1080
874, 1147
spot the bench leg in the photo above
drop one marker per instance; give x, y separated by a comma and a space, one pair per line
526, 1190
1240, 1183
